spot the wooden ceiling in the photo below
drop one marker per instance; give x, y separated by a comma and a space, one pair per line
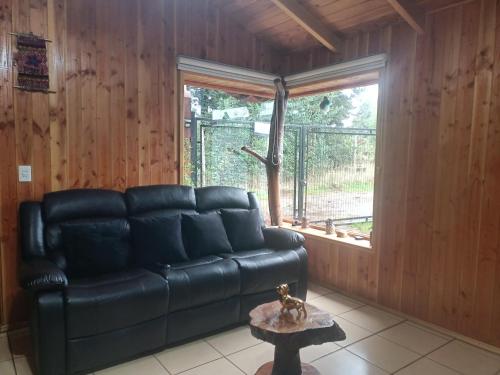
266, 20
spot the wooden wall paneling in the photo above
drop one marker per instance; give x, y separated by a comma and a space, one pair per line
40, 119
212, 31
8, 193
104, 65
437, 216
118, 117
89, 90
56, 13
483, 157
23, 114
421, 181
199, 29
132, 91
156, 141
399, 80
145, 85
443, 295
493, 187
466, 228
168, 95
23, 105
73, 94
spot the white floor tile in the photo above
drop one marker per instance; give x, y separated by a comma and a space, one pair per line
7, 368
314, 352
147, 365
426, 367
233, 341
4, 348
343, 362
383, 353
335, 303
22, 366
414, 338
467, 359
372, 319
315, 291
352, 331
249, 360
185, 357
219, 367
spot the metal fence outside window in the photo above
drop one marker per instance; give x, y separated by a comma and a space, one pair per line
328, 172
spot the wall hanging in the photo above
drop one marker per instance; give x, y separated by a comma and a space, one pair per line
31, 63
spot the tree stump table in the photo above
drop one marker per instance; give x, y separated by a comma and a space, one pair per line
289, 334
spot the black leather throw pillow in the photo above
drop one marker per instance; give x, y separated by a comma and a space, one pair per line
157, 240
205, 235
244, 229
96, 247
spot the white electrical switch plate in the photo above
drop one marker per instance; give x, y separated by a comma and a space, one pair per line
25, 173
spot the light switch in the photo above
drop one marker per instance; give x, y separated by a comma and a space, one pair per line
25, 173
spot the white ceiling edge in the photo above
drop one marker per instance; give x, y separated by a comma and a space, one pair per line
331, 72
344, 69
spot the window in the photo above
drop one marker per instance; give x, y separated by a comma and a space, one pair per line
329, 150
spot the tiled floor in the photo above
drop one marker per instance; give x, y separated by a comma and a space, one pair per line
378, 343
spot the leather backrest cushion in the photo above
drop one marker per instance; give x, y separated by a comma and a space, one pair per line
204, 235
157, 240
243, 229
96, 247
83, 203
160, 197
165, 213
218, 197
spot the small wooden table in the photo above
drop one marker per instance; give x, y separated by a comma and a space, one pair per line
289, 335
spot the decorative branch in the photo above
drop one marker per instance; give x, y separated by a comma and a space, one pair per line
254, 154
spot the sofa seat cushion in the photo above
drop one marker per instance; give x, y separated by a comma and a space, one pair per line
201, 281
106, 303
264, 269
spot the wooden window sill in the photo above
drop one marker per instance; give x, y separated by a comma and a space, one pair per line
320, 235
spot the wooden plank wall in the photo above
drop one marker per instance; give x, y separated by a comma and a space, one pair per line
113, 121
437, 227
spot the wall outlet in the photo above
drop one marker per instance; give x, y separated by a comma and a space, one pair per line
25, 173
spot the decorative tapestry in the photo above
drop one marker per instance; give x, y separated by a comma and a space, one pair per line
31, 63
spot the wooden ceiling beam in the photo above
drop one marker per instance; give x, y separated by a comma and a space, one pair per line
310, 23
411, 13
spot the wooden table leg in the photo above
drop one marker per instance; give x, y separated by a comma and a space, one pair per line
267, 369
286, 362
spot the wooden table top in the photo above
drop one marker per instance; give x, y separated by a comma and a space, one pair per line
268, 317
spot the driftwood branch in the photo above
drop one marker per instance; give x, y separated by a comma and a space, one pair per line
274, 158
254, 154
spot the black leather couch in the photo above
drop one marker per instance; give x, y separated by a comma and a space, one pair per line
87, 322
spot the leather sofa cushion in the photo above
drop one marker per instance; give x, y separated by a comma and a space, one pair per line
96, 247
217, 197
114, 301
244, 229
205, 235
264, 269
157, 240
157, 198
201, 281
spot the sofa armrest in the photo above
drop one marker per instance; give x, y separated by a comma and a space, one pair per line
41, 274
282, 239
